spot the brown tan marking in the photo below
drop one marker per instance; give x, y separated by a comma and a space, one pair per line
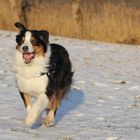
27, 100
37, 49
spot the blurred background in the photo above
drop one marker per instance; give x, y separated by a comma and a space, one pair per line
103, 20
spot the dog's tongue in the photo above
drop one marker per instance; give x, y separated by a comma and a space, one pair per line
28, 57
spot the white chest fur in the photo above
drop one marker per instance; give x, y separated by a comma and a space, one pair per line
29, 79
33, 86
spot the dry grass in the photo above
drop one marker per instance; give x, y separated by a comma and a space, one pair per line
57, 19
113, 23
107, 22
5, 15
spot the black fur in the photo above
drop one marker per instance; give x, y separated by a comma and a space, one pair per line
60, 70
20, 26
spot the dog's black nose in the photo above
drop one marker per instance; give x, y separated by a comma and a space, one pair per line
25, 48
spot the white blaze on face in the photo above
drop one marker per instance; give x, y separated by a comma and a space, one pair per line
27, 42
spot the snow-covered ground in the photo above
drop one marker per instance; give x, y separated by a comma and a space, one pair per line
104, 103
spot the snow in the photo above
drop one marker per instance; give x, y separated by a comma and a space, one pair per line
103, 104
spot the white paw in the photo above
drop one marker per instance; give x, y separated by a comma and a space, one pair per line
50, 119
30, 119
49, 123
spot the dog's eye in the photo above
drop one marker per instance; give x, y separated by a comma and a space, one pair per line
34, 42
21, 42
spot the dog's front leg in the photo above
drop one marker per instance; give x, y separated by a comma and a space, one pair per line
26, 99
40, 104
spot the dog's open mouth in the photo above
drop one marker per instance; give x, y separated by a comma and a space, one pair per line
28, 57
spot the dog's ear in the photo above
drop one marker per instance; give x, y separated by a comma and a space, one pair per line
44, 36
20, 26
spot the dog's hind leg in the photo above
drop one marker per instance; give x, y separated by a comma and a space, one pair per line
50, 118
56, 100
40, 104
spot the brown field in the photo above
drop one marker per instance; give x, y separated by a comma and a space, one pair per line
103, 21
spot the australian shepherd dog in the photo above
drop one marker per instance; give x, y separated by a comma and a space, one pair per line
44, 71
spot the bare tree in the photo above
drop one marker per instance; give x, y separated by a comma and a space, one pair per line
77, 16
20, 9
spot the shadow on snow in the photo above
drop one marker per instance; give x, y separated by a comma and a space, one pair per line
71, 102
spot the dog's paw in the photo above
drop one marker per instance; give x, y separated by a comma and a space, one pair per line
50, 120
30, 119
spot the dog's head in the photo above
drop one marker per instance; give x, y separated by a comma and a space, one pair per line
31, 43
